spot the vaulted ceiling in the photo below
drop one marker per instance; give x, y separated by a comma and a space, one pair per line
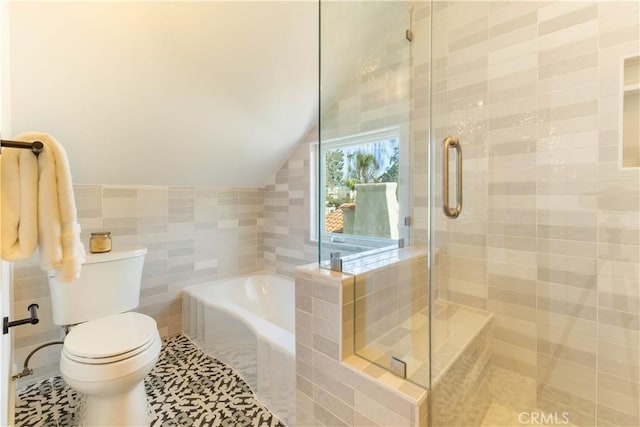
212, 93
188, 92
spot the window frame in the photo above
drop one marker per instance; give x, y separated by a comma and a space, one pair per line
318, 188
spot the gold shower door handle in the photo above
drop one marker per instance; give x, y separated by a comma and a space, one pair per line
448, 143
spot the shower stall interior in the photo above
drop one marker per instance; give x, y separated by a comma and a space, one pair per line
479, 177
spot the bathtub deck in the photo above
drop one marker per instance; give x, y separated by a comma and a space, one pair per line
454, 328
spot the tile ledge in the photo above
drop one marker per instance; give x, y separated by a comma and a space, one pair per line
409, 391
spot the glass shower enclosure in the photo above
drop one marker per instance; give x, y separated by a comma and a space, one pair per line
547, 241
363, 152
515, 299
365, 157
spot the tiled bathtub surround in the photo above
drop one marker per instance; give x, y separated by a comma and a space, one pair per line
248, 324
549, 239
328, 391
194, 234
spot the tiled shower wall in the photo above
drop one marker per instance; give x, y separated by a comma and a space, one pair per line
193, 234
549, 240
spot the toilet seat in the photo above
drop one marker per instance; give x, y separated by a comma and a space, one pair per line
110, 339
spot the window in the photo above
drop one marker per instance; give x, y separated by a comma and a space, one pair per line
363, 191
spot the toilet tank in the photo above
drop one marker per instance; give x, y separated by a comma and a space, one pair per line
109, 284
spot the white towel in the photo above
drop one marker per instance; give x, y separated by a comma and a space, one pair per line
19, 203
58, 228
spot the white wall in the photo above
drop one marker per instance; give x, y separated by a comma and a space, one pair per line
203, 93
6, 350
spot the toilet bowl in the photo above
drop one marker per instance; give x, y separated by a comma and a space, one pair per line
106, 361
110, 350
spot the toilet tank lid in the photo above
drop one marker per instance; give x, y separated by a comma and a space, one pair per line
116, 254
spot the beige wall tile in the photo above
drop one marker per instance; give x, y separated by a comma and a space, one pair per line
575, 17
161, 218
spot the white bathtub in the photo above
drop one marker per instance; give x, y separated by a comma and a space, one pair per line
248, 323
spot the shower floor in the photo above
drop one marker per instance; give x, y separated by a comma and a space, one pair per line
185, 388
454, 327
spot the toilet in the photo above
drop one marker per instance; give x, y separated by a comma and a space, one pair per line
109, 349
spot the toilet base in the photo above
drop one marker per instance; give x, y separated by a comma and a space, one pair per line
125, 409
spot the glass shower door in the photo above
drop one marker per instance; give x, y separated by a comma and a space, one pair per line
534, 285
366, 160
461, 325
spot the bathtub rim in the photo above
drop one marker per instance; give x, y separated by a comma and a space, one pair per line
262, 272
284, 338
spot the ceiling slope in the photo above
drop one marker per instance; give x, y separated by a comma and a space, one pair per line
186, 93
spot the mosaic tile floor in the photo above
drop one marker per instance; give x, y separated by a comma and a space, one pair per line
186, 388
